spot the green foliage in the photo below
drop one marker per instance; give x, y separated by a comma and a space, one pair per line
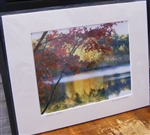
120, 44
120, 54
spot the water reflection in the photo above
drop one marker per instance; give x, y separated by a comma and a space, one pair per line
95, 89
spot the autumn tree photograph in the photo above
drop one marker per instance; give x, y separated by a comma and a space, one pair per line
81, 65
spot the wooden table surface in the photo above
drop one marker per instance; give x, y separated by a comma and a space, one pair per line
136, 122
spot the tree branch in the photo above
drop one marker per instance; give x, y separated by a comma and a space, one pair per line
40, 41
54, 89
63, 70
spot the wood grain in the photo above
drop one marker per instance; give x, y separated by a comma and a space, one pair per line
136, 122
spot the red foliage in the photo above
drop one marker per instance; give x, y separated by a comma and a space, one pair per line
41, 84
56, 52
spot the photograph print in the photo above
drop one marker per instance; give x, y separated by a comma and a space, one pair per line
81, 65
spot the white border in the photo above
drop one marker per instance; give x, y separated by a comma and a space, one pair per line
17, 32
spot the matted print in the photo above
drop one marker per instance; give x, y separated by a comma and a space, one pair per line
71, 65
81, 65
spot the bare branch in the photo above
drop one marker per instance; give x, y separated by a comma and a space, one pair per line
40, 41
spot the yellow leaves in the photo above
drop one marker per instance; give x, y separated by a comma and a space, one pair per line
78, 39
82, 87
112, 82
123, 80
34, 43
122, 48
123, 37
91, 56
69, 102
88, 56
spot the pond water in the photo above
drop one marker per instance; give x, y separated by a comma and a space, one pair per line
102, 84
89, 87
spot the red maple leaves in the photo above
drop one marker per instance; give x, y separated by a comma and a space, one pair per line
58, 52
